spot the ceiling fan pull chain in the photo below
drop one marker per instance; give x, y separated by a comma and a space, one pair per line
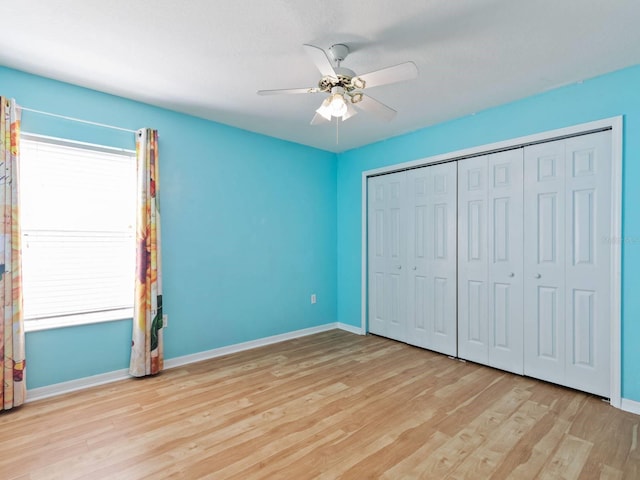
337, 130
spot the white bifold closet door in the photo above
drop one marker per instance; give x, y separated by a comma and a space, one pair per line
490, 251
387, 224
534, 261
431, 258
412, 256
567, 262
526, 288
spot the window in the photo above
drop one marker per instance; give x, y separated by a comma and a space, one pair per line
77, 206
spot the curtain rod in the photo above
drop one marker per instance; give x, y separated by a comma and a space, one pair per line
88, 122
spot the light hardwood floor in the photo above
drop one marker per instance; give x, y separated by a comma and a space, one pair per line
331, 405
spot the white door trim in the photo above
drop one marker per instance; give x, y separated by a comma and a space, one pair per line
615, 240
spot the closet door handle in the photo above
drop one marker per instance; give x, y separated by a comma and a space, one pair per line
399, 267
512, 274
537, 275
415, 268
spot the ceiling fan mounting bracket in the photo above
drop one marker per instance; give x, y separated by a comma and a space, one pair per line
338, 52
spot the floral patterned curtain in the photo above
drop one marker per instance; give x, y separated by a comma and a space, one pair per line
147, 347
12, 361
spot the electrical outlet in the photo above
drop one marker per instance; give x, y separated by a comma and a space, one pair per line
313, 298
165, 320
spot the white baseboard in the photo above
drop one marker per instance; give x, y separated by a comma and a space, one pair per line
74, 385
350, 328
101, 379
239, 347
630, 406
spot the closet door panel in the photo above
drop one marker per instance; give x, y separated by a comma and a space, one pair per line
472, 260
419, 292
376, 214
505, 241
432, 258
588, 206
443, 261
544, 261
386, 255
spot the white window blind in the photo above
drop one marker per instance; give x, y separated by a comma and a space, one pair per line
77, 206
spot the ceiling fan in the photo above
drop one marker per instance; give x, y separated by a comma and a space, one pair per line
344, 87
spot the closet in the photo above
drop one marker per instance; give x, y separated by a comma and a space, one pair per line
502, 259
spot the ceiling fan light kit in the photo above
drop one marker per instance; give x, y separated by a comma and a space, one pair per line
343, 87
335, 105
338, 105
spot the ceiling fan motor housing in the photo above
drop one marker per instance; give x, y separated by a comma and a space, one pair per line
345, 76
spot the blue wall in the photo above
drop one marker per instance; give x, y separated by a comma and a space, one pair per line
248, 230
610, 95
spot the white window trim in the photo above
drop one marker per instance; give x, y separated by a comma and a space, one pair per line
80, 319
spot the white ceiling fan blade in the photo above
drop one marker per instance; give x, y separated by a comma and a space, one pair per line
318, 119
384, 76
373, 106
288, 91
319, 57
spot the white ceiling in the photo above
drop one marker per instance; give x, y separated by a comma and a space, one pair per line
208, 58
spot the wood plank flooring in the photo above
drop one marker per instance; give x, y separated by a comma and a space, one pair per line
331, 405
